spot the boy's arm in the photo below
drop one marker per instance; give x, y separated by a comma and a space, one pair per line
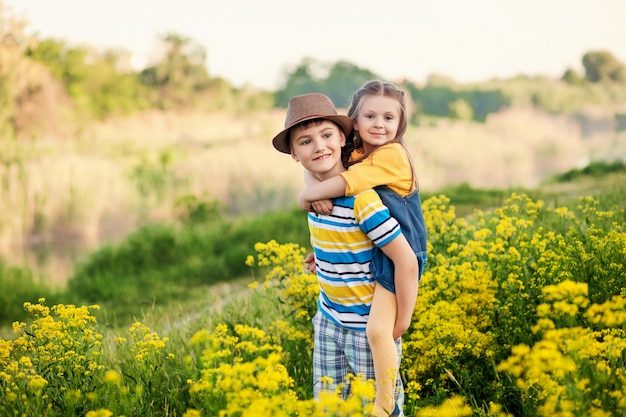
405, 277
330, 188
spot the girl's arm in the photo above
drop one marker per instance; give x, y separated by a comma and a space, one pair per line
322, 206
406, 271
309, 179
388, 165
330, 188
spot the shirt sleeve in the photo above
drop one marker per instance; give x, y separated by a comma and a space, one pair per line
374, 218
388, 165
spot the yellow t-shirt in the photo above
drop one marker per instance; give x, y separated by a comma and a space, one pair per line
389, 165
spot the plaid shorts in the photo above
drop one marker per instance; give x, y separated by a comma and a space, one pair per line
338, 352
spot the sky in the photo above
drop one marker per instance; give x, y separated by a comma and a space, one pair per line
257, 42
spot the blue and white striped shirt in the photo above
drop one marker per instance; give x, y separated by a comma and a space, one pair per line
343, 243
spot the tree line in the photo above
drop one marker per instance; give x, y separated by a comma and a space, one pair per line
49, 78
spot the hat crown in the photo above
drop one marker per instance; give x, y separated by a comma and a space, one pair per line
308, 106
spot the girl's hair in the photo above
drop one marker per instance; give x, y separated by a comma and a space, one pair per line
379, 88
383, 89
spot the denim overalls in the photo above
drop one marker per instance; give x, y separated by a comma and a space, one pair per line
408, 212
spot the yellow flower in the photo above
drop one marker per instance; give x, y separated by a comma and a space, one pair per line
99, 413
112, 377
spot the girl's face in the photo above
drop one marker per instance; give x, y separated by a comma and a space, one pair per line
377, 121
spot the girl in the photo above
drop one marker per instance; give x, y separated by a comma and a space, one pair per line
379, 160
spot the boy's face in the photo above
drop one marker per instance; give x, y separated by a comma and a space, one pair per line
317, 146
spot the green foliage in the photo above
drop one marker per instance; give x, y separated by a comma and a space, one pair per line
102, 84
338, 81
50, 52
91, 78
113, 92
180, 75
601, 66
467, 199
58, 352
15, 72
555, 96
343, 79
520, 312
160, 263
460, 109
449, 100
486, 291
194, 210
154, 178
18, 285
594, 169
572, 77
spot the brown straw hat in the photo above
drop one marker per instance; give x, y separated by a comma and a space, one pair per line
308, 107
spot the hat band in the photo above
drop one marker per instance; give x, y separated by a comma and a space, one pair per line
308, 117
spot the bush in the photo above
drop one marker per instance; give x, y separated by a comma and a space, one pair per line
594, 169
160, 263
19, 286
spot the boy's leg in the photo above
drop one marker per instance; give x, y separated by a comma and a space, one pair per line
380, 335
329, 361
359, 357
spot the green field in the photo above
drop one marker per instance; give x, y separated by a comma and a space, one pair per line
520, 313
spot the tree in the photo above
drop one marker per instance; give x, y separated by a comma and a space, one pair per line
338, 81
299, 81
602, 66
92, 78
571, 77
343, 79
179, 74
17, 74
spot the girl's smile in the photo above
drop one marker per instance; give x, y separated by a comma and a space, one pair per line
377, 121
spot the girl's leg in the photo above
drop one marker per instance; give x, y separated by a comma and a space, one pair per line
380, 336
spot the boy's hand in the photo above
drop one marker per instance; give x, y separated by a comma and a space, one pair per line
309, 262
323, 206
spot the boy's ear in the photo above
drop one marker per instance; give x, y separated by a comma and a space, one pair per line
294, 156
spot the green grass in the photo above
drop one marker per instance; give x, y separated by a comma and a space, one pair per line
162, 268
505, 290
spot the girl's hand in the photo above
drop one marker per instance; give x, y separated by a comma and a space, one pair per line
400, 328
303, 203
323, 206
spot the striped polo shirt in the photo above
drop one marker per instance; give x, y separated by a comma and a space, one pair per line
343, 243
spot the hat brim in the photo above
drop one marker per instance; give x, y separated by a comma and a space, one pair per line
280, 141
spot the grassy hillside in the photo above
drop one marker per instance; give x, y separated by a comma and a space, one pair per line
528, 291
125, 172
168, 262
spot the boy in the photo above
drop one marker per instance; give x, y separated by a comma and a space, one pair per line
342, 242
